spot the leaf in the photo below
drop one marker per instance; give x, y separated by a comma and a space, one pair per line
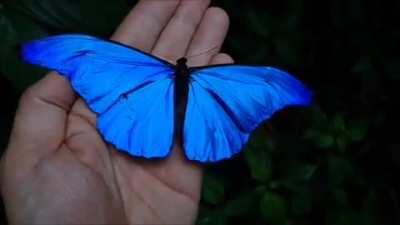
259, 162
213, 189
23, 20
342, 142
305, 172
324, 141
213, 217
338, 124
348, 216
273, 208
301, 202
242, 204
362, 65
339, 170
296, 177
16, 29
260, 138
371, 207
357, 129
340, 197
98, 17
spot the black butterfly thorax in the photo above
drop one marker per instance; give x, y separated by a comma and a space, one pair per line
181, 76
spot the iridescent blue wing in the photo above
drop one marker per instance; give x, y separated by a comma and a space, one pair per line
132, 92
227, 102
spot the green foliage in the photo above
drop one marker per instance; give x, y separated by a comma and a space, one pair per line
331, 164
336, 132
213, 189
258, 159
23, 20
273, 209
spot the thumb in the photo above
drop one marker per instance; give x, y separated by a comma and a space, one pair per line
41, 118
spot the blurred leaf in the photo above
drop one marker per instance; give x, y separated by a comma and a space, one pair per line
338, 124
259, 161
304, 172
242, 204
348, 216
336, 132
273, 209
362, 65
342, 142
15, 29
85, 16
301, 202
23, 20
357, 129
340, 197
339, 170
213, 189
213, 217
296, 176
320, 139
371, 207
325, 141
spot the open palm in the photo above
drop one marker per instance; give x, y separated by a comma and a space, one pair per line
58, 170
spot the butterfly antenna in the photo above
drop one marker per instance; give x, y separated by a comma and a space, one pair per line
202, 53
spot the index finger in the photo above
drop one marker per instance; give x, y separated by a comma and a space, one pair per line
140, 29
144, 23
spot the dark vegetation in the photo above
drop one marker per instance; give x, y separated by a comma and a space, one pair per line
334, 163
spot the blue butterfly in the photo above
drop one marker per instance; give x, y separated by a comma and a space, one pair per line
143, 102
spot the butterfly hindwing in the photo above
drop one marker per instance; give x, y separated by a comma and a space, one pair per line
226, 103
132, 92
142, 122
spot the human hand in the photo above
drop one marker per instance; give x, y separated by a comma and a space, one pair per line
58, 170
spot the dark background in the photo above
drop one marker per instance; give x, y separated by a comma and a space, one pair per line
333, 163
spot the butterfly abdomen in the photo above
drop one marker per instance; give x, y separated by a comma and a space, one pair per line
181, 77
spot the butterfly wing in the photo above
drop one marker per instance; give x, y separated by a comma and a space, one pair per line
132, 92
227, 102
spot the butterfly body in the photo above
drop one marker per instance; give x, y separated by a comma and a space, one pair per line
181, 77
144, 103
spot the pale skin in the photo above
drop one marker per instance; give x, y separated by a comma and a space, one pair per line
58, 170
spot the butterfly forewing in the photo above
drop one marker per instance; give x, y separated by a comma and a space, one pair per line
131, 91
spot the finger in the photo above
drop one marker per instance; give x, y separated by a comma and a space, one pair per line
143, 25
173, 44
221, 58
176, 36
151, 15
41, 117
209, 36
82, 126
81, 109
